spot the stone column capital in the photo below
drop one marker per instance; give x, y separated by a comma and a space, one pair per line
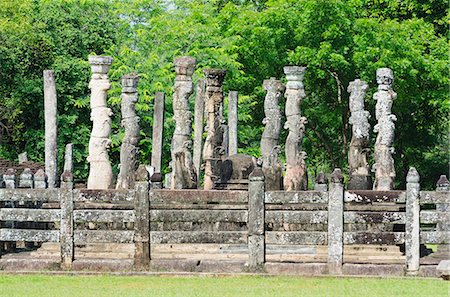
214, 76
185, 66
100, 64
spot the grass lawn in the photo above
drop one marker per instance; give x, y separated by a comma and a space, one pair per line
110, 285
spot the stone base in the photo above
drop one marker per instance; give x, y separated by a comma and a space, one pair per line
443, 269
360, 182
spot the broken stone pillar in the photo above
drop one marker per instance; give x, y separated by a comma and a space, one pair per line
198, 125
232, 123
130, 121
68, 158
384, 163
23, 158
158, 128
270, 148
359, 170
51, 127
184, 175
100, 171
321, 182
296, 177
213, 150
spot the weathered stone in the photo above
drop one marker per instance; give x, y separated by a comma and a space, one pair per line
199, 112
321, 182
213, 150
184, 174
412, 227
40, 179
26, 179
130, 121
384, 163
142, 219
233, 122
296, 177
443, 184
51, 127
158, 127
360, 178
23, 158
237, 167
444, 269
270, 148
100, 171
9, 178
336, 223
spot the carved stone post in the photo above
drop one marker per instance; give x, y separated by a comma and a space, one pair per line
384, 163
68, 158
158, 128
26, 179
51, 127
142, 223
198, 125
129, 148
321, 182
443, 185
360, 178
40, 179
100, 171
296, 177
213, 150
66, 230
412, 222
256, 237
270, 148
10, 178
232, 122
184, 175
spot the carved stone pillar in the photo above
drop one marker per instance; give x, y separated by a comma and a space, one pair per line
100, 172
270, 148
384, 163
359, 170
184, 175
130, 121
296, 177
213, 150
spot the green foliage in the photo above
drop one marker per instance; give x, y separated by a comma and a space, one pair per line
337, 40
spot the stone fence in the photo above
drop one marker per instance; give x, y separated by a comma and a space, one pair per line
304, 232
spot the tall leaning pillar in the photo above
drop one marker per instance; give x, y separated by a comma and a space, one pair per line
384, 163
296, 177
130, 121
51, 127
184, 175
213, 150
100, 171
270, 148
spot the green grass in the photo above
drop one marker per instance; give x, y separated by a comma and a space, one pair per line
124, 286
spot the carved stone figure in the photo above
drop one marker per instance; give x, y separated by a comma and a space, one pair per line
384, 163
270, 148
184, 174
360, 178
213, 150
100, 171
296, 177
130, 121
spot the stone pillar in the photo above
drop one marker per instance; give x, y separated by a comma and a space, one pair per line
51, 127
68, 158
443, 185
384, 163
100, 171
158, 128
198, 126
40, 179
296, 177
142, 223
321, 182
66, 230
412, 222
256, 241
130, 121
184, 175
232, 123
336, 223
213, 150
359, 171
226, 131
270, 148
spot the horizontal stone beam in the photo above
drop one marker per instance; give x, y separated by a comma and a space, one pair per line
29, 235
434, 217
234, 237
279, 197
199, 216
101, 236
33, 195
296, 217
30, 215
365, 196
84, 195
198, 196
432, 197
109, 216
389, 238
293, 237
367, 217
435, 237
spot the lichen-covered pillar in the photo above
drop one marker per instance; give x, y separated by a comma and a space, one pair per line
232, 123
336, 223
130, 121
213, 150
100, 171
51, 127
158, 128
412, 222
384, 163
359, 170
270, 148
198, 125
184, 175
296, 177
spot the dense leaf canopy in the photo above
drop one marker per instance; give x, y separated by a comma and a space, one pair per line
337, 40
